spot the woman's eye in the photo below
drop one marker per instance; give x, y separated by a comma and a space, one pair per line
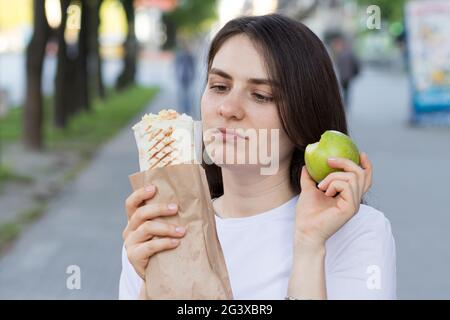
218, 88
261, 98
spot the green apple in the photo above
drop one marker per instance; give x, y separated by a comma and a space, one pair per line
332, 144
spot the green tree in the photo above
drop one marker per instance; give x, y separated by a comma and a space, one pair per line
67, 89
391, 10
78, 76
190, 17
94, 60
33, 110
131, 46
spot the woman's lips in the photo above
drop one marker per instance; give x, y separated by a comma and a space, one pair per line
231, 134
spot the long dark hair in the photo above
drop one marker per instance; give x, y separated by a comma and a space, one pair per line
308, 96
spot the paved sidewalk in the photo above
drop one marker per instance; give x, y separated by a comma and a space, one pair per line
82, 227
411, 174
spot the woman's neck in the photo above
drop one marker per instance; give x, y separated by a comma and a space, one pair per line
247, 193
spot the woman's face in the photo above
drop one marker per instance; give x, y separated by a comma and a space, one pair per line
239, 114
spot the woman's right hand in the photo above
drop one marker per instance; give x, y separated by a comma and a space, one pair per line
141, 230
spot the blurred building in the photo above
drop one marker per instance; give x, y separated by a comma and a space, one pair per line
319, 15
323, 15
149, 27
228, 10
15, 25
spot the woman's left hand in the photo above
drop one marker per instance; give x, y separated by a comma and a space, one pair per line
322, 210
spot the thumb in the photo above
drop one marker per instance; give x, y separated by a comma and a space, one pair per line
306, 182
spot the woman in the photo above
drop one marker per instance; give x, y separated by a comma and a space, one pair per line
282, 235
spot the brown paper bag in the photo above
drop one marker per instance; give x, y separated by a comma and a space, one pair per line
196, 269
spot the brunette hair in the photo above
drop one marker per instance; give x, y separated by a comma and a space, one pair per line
307, 92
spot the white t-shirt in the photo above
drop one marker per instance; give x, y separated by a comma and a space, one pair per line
360, 258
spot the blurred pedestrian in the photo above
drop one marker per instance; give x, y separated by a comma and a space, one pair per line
346, 62
185, 73
400, 41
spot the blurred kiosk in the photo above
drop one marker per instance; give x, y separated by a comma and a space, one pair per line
428, 37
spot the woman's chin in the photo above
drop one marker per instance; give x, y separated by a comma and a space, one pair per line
241, 168
234, 165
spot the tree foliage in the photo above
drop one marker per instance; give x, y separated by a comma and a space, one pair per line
391, 10
192, 16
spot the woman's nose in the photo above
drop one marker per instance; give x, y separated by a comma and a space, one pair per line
231, 108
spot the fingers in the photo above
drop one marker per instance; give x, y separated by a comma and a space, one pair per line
346, 165
149, 248
367, 167
306, 182
137, 198
149, 229
346, 201
139, 254
350, 177
149, 212
339, 186
363, 172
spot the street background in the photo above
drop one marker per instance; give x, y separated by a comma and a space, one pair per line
62, 201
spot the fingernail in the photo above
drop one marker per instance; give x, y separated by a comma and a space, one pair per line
174, 241
332, 159
150, 188
180, 229
172, 206
320, 184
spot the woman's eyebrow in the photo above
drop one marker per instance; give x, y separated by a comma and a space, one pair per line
267, 82
257, 81
221, 73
